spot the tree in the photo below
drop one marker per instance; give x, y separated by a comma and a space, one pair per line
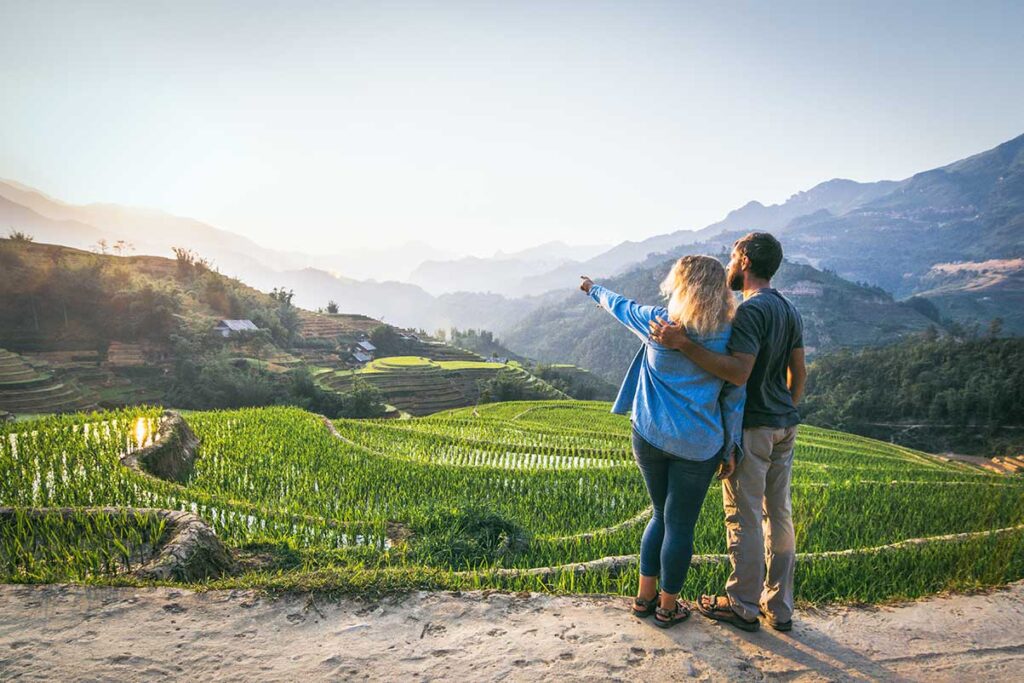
503, 387
332, 306
19, 236
925, 307
364, 400
189, 262
995, 328
968, 392
386, 340
282, 295
185, 259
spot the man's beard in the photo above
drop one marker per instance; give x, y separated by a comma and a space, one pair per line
736, 281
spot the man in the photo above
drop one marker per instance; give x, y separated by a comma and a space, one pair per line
766, 353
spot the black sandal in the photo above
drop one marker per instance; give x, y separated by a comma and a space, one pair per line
667, 618
721, 610
645, 608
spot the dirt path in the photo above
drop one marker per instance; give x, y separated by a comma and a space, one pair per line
78, 633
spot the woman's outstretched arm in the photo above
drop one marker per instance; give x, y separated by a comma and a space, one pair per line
628, 312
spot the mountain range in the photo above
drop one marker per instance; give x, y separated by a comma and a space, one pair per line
501, 272
921, 236
837, 313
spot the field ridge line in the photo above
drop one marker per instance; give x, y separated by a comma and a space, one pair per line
618, 562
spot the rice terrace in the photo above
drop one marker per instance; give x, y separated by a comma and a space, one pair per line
534, 496
530, 341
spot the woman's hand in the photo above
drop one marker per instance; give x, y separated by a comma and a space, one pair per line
728, 466
586, 284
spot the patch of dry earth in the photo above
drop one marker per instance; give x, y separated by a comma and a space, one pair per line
88, 633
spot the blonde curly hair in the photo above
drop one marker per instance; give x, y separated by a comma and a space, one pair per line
698, 295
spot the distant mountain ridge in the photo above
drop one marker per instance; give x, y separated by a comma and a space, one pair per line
150, 232
970, 210
886, 233
154, 232
835, 196
889, 233
837, 314
503, 272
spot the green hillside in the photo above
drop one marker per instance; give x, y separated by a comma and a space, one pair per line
577, 382
513, 495
421, 386
125, 330
836, 313
939, 394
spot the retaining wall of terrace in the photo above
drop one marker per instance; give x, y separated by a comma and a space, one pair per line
190, 550
172, 453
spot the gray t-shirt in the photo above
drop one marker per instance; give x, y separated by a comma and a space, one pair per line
768, 326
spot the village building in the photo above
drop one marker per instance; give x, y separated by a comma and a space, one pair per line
228, 328
363, 351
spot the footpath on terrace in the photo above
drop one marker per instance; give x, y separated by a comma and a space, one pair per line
127, 634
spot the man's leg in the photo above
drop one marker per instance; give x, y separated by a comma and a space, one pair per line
780, 539
743, 496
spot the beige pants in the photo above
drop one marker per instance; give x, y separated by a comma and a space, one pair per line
759, 525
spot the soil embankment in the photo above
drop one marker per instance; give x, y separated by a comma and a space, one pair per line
74, 632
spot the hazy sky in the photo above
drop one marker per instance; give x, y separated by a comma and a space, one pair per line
478, 125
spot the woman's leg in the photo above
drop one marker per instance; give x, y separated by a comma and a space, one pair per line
688, 483
654, 468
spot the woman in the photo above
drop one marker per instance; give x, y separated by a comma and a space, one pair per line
687, 423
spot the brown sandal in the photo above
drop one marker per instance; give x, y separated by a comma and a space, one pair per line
645, 608
718, 608
667, 618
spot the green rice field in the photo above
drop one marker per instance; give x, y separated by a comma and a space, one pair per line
482, 496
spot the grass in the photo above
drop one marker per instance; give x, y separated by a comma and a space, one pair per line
53, 547
517, 486
469, 365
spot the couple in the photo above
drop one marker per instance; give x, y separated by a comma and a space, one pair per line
702, 359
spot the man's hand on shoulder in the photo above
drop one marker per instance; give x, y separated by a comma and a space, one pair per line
668, 334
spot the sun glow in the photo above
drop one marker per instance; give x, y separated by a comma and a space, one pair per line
141, 431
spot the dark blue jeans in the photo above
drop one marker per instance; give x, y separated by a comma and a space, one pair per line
677, 488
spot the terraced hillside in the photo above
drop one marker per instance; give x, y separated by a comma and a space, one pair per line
24, 389
421, 386
334, 325
530, 495
439, 351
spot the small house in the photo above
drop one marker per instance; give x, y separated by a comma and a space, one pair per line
366, 346
228, 328
361, 357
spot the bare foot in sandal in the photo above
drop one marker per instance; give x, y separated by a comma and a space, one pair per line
670, 611
667, 618
643, 608
719, 608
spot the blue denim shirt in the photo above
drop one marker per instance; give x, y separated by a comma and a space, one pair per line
676, 405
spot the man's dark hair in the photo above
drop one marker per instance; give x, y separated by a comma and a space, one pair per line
763, 251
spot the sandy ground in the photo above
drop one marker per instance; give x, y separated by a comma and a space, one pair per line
76, 633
